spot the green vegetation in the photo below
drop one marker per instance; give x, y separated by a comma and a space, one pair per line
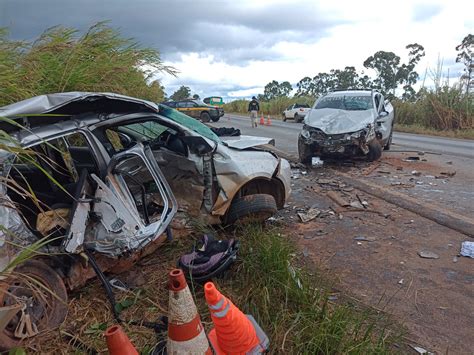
63, 60
273, 107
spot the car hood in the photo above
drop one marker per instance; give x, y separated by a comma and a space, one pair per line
334, 121
244, 142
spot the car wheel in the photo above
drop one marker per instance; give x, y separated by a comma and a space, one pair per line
375, 151
205, 117
389, 143
215, 119
284, 118
304, 151
297, 118
44, 295
251, 208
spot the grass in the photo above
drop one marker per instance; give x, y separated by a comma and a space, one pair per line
413, 128
289, 303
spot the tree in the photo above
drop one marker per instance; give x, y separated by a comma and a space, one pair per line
181, 94
386, 64
406, 75
305, 87
274, 90
196, 97
466, 56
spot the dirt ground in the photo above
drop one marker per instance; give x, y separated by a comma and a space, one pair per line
374, 252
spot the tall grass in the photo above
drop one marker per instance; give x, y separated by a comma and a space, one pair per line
444, 108
62, 59
273, 107
292, 306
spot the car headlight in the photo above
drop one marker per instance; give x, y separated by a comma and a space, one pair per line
305, 133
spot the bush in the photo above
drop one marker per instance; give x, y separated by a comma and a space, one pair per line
62, 60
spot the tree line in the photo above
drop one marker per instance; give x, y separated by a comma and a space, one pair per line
391, 74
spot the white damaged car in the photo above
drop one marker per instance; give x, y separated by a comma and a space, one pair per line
347, 123
109, 173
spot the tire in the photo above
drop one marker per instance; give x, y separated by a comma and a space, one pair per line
215, 119
48, 309
205, 117
375, 151
251, 208
297, 118
304, 151
283, 118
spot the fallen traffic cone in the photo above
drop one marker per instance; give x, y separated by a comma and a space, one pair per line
262, 120
118, 342
233, 332
185, 332
269, 122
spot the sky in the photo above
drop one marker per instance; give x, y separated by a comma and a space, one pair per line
234, 48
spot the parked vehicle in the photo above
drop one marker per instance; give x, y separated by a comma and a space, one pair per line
348, 123
118, 170
296, 111
197, 109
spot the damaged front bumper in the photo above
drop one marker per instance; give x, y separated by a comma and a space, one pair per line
352, 143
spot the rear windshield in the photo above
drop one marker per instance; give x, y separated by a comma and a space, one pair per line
301, 106
346, 102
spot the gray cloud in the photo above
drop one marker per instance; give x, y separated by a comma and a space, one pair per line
424, 12
232, 31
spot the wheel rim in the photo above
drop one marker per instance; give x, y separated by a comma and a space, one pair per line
36, 301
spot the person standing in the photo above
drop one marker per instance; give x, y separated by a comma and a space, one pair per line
254, 107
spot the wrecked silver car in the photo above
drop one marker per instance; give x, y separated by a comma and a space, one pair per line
347, 123
92, 178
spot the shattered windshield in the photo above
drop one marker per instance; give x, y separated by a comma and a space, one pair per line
188, 122
346, 102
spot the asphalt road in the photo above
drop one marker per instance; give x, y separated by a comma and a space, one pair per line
286, 137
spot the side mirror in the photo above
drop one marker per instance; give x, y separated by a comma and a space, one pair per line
383, 114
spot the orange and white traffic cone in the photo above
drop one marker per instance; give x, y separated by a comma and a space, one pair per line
269, 121
233, 332
118, 342
262, 120
185, 332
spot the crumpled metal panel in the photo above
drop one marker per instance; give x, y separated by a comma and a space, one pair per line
244, 142
334, 121
235, 168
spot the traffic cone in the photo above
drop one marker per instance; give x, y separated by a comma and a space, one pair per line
233, 332
185, 332
118, 342
269, 121
262, 120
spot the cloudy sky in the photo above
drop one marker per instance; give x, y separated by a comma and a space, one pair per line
233, 48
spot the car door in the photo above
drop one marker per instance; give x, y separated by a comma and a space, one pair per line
384, 119
124, 211
289, 112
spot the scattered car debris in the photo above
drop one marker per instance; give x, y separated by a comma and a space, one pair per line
412, 159
426, 254
333, 195
311, 214
416, 173
356, 204
467, 249
401, 282
316, 162
448, 173
421, 350
362, 238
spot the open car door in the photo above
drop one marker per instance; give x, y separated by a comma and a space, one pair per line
131, 207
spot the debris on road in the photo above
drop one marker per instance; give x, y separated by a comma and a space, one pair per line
333, 195
362, 238
316, 162
448, 173
426, 254
311, 214
412, 159
467, 249
420, 350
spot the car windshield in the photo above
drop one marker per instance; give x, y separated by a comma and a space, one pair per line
188, 122
346, 102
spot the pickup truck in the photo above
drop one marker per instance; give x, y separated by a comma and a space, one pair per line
296, 111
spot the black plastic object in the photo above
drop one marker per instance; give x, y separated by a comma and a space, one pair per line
210, 259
